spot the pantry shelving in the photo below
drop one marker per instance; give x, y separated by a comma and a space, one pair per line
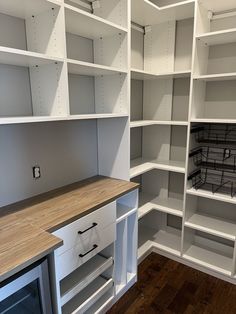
123, 97
178, 87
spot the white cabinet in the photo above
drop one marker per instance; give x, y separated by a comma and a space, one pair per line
92, 272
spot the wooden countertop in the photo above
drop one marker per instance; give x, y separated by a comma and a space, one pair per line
25, 227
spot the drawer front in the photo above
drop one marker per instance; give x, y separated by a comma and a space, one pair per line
75, 257
89, 226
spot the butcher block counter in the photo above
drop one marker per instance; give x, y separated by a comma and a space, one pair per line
26, 227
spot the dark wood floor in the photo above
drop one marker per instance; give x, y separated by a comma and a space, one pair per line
165, 286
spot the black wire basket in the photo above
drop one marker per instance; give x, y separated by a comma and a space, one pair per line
215, 158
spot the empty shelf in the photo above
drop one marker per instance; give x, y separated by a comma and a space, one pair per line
88, 296
97, 116
144, 12
31, 119
24, 58
142, 123
210, 195
26, 8
212, 225
85, 24
207, 258
168, 240
216, 77
91, 69
83, 276
218, 38
142, 165
144, 75
123, 211
168, 205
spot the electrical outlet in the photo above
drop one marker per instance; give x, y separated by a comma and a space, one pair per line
36, 172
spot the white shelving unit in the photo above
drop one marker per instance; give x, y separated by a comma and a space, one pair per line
176, 85
115, 90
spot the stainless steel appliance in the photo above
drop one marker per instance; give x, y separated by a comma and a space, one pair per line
27, 292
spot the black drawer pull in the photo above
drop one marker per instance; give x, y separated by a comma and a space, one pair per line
93, 225
94, 247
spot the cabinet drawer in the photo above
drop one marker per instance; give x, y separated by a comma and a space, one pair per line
75, 257
89, 226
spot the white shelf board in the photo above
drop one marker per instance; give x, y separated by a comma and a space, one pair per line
216, 77
141, 165
88, 296
24, 58
144, 12
207, 120
26, 8
137, 74
207, 258
83, 276
142, 123
212, 225
210, 195
168, 205
218, 6
34, 119
218, 38
91, 69
123, 212
80, 22
168, 240
93, 116
31, 119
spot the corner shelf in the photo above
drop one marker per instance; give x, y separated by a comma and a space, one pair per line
143, 123
91, 69
25, 8
137, 74
12, 56
148, 202
168, 241
144, 12
218, 37
85, 24
142, 165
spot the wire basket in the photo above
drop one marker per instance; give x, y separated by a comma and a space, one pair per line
215, 133
215, 181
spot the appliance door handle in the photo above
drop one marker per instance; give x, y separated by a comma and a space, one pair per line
93, 225
94, 247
